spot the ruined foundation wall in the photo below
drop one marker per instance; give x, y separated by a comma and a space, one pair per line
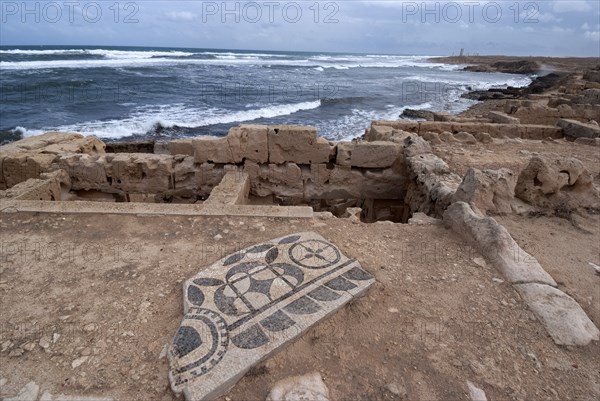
289, 162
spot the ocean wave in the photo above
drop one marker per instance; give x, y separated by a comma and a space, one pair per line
136, 58
154, 119
491, 81
353, 125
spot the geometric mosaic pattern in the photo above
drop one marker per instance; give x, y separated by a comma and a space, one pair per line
251, 303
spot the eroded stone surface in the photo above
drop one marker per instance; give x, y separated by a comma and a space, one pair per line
562, 316
496, 245
309, 387
247, 305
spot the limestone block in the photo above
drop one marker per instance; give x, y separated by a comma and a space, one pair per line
496, 245
501, 118
232, 190
212, 149
410, 126
275, 179
576, 129
488, 190
589, 96
75, 144
377, 154
249, 142
180, 147
298, 144
414, 145
35, 189
343, 182
206, 177
564, 319
140, 173
250, 304
539, 132
86, 172
431, 184
19, 167
184, 172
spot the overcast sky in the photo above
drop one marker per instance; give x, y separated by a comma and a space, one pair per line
548, 27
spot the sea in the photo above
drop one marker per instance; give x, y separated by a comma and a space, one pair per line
142, 93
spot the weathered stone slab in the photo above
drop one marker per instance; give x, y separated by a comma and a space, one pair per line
562, 316
212, 149
249, 142
501, 118
377, 154
180, 147
249, 304
233, 190
496, 245
576, 129
298, 144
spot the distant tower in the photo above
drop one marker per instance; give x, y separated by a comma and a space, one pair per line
462, 52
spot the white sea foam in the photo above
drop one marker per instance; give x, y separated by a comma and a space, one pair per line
133, 58
353, 125
144, 119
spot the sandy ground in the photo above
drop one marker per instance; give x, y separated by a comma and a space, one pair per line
434, 319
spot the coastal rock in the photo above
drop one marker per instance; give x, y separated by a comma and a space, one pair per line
483, 137
309, 387
412, 113
298, 144
376, 154
488, 190
432, 137
556, 181
496, 245
465, 137
447, 137
562, 316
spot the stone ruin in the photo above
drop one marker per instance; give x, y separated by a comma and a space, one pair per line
392, 173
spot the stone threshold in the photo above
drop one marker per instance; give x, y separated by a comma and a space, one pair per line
76, 207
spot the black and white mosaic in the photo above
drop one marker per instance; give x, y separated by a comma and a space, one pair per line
247, 305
